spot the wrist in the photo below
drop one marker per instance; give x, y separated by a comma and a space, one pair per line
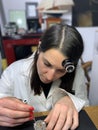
57, 95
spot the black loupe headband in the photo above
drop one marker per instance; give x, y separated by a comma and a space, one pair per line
68, 65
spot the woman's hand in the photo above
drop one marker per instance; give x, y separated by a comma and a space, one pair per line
14, 112
63, 116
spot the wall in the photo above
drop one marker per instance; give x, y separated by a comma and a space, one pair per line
0, 65
15, 5
88, 34
93, 95
2, 17
20, 5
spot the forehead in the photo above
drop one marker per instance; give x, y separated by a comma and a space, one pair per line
54, 56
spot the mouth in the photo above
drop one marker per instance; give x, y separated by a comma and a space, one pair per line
44, 80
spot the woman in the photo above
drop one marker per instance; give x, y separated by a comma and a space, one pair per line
35, 79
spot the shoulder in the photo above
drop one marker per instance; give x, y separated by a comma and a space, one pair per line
79, 74
79, 69
20, 66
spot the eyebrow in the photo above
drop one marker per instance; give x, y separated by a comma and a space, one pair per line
44, 59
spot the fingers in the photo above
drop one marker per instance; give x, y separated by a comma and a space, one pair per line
47, 119
62, 118
15, 104
12, 122
75, 121
69, 120
14, 108
14, 112
13, 118
52, 119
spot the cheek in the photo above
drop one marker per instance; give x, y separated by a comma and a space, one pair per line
60, 75
40, 67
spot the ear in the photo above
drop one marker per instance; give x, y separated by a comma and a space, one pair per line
39, 42
38, 50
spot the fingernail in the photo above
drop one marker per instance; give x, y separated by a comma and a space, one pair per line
31, 108
31, 113
31, 118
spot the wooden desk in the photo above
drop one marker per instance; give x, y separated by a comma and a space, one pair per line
38, 114
91, 110
93, 114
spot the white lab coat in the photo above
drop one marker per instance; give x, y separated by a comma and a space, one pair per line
15, 81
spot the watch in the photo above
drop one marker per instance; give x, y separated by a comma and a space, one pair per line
39, 125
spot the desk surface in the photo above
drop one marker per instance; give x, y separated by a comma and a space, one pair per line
85, 122
93, 114
92, 111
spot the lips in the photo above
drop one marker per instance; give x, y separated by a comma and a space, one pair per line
44, 80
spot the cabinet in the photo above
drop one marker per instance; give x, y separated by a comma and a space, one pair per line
13, 47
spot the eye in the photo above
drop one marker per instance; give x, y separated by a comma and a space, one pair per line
47, 64
61, 71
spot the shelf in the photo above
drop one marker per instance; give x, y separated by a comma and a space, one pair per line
55, 11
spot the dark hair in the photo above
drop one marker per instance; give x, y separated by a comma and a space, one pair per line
66, 39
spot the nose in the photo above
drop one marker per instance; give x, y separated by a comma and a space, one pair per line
51, 74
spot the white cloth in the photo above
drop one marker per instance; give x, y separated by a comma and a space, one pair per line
15, 81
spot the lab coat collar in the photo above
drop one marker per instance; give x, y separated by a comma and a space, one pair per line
27, 64
55, 84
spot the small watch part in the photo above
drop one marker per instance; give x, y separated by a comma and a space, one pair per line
25, 101
39, 125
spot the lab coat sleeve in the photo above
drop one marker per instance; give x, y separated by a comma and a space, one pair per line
80, 99
6, 83
58, 93
79, 103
